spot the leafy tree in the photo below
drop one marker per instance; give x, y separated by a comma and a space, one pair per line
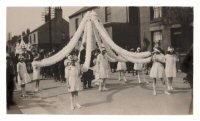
177, 15
184, 17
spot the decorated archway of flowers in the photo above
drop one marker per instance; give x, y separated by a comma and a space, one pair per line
89, 26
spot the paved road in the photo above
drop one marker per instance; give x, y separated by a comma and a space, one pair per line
122, 99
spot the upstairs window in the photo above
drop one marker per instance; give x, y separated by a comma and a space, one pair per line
34, 39
157, 12
76, 23
107, 14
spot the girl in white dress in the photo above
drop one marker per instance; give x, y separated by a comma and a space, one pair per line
74, 83
170, 68
36, 73
121, 67
22, 75
139, 68
157, 69
96, 80
67, 63
102, 69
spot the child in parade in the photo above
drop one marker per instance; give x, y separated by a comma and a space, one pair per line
36, 73
157, 69
22, 75
102, 69
139, 68
170, 68
74, 83
96, 79
121, 67
67, 63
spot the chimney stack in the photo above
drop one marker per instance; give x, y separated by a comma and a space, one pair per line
58, 12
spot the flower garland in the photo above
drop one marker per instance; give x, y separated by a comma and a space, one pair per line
86, 64
137, 60
111, 55
67, 49
97, 37
109, 41
83, 41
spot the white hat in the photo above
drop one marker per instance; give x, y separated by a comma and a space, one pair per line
138, 48
170, 49
157, 49
20, 57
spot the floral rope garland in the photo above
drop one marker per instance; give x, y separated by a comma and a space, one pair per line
86, 64
67, 49
118, 49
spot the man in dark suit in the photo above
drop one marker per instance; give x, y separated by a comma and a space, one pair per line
87, 76
10, 74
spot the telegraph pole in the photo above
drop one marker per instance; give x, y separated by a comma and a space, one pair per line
50, 32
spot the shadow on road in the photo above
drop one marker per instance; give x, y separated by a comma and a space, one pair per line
109, 98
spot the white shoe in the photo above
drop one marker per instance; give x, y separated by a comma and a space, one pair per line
167, 93
171, 88
72, 107
125, 80
36, 90
105, 89
78, 105
154, 93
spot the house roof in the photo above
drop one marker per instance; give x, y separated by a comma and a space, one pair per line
47, 24
84, 9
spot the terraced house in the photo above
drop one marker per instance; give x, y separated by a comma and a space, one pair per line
131, 27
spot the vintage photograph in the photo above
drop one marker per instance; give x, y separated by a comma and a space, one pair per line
107, 60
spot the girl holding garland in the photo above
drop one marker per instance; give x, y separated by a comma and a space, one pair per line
74, 82
22, 75
170, 68
157, 69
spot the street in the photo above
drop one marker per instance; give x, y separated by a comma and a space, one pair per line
129, 98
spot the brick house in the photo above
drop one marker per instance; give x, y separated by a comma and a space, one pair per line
120, 22
59, 29
130, 27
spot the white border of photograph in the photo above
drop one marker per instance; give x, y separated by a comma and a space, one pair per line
35, 3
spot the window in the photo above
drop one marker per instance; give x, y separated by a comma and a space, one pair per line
157, 36
157, 12
34, 39
107, 14
76, 23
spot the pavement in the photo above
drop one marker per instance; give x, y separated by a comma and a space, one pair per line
129, 98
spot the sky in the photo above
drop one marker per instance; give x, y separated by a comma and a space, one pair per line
21, 18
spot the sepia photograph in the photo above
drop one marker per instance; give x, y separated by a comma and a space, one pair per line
99, 60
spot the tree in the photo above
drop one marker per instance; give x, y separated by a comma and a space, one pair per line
177, 15
182, 16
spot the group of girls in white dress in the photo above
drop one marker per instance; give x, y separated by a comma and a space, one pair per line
158, 70
23, 77
101, 70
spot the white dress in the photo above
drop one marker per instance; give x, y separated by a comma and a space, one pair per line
170, 67
121, 66
66, 63
36, 71
138, 66
103, 68
21, 69
74, 79
157, 69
